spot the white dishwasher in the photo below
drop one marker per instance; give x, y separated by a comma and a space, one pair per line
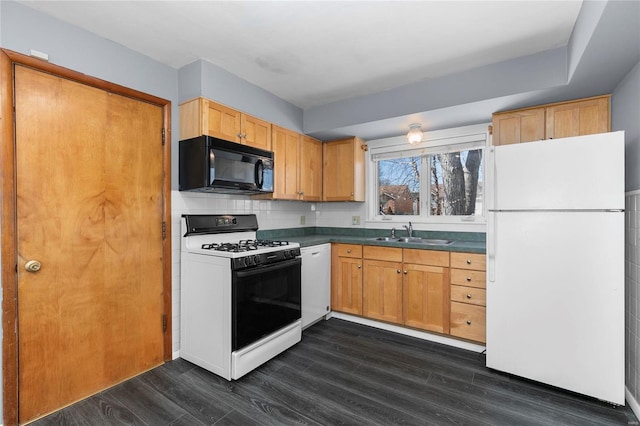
316, 283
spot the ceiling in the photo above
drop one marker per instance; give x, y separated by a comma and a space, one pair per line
313, 53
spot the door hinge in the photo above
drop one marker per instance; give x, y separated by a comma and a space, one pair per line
164, 323
164, 230
163, 136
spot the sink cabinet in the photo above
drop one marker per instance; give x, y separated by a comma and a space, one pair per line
426, 290
382, 284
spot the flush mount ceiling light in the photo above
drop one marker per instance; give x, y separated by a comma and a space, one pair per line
415, 134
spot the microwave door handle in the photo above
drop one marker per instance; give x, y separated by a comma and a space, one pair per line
259, 174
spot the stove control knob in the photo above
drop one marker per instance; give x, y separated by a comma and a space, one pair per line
287, 254
256, 259
248, 261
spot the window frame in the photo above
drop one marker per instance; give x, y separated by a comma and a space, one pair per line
460, 138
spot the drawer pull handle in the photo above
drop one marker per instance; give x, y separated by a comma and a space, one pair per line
468, 322
348, 250
468, 296
468, 279
468, 261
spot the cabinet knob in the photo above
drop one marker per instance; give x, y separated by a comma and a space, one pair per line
468, 322
352, 194
405, 272
239, 135
468, 279
468, 261
468, 296
348, 250
359, 266
398, 271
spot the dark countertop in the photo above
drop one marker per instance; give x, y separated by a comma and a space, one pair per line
306, 237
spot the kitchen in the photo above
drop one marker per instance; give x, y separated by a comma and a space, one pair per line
18, 33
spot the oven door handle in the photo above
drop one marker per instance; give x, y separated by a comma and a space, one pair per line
261, 269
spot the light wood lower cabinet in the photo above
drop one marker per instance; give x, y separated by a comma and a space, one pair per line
346, 278
468, 296
428, 290
382, 284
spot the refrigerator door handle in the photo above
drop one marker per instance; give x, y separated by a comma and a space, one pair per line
491, 223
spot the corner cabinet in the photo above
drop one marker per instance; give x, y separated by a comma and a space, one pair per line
298, 166
343, 176
202, 116
557, 120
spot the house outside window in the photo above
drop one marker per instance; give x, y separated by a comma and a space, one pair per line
441, 180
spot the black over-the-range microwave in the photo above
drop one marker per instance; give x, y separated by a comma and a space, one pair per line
210, 164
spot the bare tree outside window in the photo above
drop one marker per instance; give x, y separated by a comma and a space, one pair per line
455, 184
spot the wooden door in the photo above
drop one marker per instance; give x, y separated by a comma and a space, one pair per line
346, 285
426, 297
286, 145
519, 126
310, 169
256, 132
382, 290
89, 208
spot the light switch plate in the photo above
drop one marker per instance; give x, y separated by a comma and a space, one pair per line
355, 220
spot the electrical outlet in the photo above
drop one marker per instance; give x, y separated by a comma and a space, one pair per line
355, 220
303, 220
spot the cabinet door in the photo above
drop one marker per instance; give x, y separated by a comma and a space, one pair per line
520, 126
346, 285
343, 170
221, 121
286, 153
382, 290
578, 118
310, 169
256, 132
426, 297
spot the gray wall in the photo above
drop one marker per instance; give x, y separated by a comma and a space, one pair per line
625, 115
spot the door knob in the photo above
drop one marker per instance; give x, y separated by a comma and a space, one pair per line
32, 266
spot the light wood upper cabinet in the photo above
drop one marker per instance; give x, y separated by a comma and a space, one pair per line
346, 278
255, 132
519, 126
552, 121
286, 157
202, 116
382, 284
297, 166
426, 290
578, 118
310, 178
343, 170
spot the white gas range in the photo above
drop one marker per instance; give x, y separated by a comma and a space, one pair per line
239, 296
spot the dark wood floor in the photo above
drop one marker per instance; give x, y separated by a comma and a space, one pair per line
343, 373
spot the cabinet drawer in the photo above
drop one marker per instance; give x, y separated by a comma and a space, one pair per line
471, 295
426, 257
469, 278
468, 321
382, 253
474, 261
349, 250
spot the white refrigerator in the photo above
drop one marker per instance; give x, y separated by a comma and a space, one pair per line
555, 253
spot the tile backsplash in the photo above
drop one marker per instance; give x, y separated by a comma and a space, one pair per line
632, 293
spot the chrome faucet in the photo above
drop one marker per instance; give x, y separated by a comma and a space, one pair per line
393, 232
409, 230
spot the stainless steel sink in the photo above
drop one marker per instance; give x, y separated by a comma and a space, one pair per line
427, 241
381, 239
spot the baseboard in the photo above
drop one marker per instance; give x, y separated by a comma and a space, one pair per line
633, 404
410, 332
175, 355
